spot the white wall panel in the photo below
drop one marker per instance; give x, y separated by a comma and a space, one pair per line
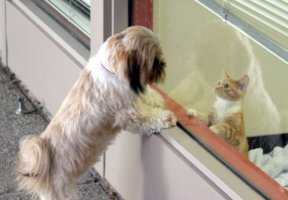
38, 61
146, 168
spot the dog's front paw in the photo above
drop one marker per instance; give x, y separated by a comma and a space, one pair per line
167, 119
152, 98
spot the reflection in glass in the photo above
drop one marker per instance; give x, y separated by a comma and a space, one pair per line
226, 117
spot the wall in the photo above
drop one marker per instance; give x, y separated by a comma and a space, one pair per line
142, 168
146, 168
43, 60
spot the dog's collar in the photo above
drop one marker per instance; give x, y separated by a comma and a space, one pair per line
107, 69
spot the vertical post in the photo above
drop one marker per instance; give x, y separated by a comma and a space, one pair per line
101, 23
119, 15
143, 13
107, 17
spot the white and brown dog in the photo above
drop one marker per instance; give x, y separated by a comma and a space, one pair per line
112, 94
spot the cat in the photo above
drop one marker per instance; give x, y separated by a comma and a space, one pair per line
226, 119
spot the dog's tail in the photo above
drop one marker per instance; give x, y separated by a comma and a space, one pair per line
33, 163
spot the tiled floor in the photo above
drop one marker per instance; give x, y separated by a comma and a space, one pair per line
12, 127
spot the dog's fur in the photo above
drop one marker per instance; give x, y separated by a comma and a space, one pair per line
112, 94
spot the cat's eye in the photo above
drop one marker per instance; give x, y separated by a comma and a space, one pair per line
226, 86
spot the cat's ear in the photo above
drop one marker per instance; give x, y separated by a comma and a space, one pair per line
243, 82
226, 76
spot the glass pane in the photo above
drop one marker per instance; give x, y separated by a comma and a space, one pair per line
76, 11
199, 47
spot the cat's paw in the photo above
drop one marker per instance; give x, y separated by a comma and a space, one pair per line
192, 112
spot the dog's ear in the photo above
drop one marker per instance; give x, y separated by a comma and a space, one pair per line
158, 71
135, 71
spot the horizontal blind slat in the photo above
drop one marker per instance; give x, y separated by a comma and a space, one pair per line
278, 10
278, 4
260, 20
262, 15
268, 17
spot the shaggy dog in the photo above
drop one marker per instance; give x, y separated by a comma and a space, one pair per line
111, 94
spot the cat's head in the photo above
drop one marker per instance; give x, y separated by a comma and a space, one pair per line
231, 89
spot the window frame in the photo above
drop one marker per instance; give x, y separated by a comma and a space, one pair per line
82, 6
59, 18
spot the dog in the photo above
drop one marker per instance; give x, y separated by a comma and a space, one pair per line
111, 94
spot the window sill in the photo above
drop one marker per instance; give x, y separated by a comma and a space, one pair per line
198, 134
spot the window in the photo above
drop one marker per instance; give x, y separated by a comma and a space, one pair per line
198, 45
74, 15
76, 11
265, 21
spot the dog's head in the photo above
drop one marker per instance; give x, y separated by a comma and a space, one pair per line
135, 56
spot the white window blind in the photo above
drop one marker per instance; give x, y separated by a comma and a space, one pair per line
87, 2
269, 17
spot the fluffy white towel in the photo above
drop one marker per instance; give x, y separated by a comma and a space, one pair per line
275, 164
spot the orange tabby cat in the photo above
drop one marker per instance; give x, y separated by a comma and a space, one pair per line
227, 117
